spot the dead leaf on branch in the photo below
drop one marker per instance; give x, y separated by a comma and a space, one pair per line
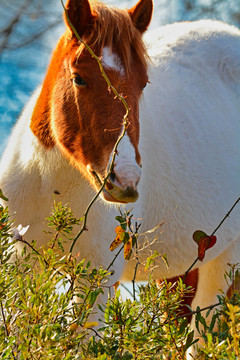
118, 239
127, 249
204, 242
123, 237
116, 285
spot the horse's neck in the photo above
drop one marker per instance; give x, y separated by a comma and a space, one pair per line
32, 167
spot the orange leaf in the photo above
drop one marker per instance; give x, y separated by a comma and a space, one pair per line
118, 230
115, 243
118, 239
2, 225
73, 327
116, 285
127, 249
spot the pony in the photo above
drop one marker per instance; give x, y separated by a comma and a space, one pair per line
179, 158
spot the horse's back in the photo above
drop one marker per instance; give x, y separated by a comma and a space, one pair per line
206, 47
190, 136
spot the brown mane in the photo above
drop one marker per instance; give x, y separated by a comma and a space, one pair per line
114, 28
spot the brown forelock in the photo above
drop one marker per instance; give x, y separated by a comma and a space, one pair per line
114, 28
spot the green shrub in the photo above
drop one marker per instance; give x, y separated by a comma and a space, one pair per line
39, 321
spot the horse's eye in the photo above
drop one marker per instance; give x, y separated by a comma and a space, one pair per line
78, 80
144, 86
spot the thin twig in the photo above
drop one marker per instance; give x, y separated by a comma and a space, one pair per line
96, 333
115, 258
193, 312
227, 215
126, 289
190, 268
38, 253
137, 262
175, 344
8, 30
55, 239
4, 320
220, 224
124, 126
31, 247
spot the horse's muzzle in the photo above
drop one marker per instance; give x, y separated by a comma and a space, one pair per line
113, 193
113, 190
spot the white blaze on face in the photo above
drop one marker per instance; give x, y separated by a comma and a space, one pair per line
126, 169
112, 61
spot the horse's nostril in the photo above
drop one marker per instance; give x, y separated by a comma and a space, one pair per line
131, 192
112, 176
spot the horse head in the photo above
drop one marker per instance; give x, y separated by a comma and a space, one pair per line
76, 110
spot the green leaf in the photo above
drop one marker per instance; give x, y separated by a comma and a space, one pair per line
213, 321
198, 235
150, 259
123, 222
189, 340
164, 257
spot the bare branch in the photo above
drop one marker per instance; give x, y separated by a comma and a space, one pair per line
9, 28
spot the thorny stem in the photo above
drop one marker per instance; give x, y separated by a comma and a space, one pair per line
124, 126
220, 224
115, 258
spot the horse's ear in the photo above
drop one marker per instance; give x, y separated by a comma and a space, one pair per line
141, 14
80, 15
